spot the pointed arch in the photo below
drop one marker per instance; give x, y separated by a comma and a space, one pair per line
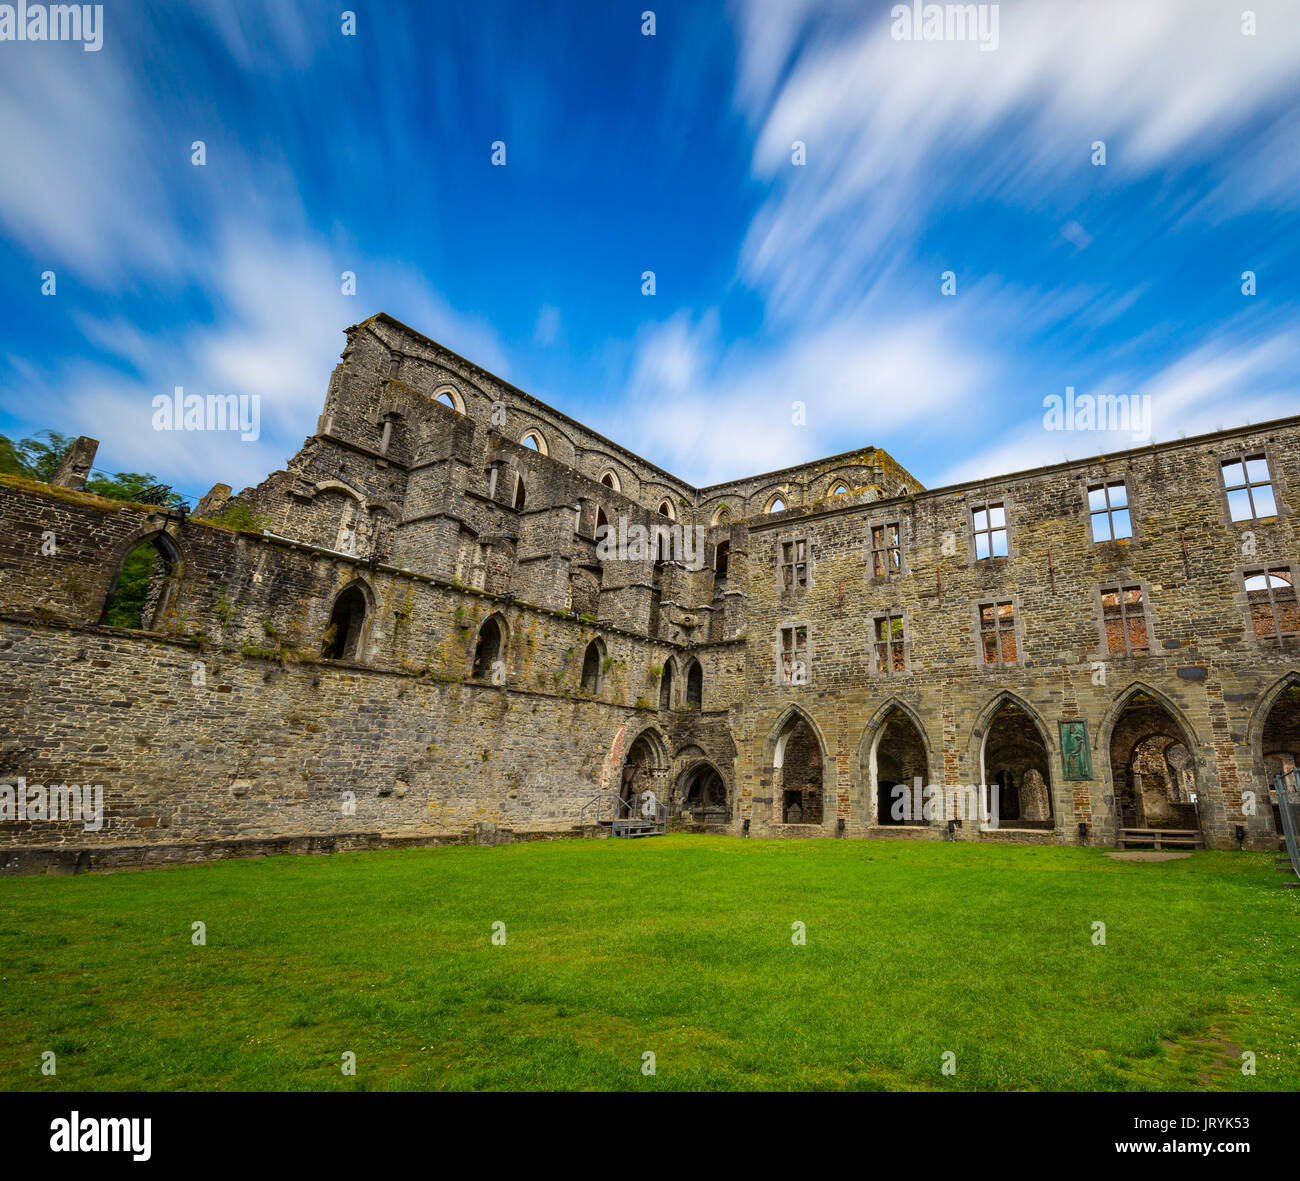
666, 679
703, 790
1044, 792
990, 711
1264, 706
593, 664
536, 440
881, 716
489, 646
694, 685
645, 767
144, 588
609, 477
791, 713
1274, 738
1107, 728
914, 755
1134, 759
347, 623
449, 395
798, 759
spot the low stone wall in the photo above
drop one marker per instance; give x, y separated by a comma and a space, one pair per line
61, 860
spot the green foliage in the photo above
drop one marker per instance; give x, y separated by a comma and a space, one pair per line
131, 486
36, 458
241, 518
126, 607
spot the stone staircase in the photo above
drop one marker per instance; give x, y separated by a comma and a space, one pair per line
608, 813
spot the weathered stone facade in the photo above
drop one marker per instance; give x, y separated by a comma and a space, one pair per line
422, 639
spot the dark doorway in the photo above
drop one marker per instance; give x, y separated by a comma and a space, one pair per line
801, 774
347, 620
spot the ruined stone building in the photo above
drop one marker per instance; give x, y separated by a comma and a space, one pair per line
415, 633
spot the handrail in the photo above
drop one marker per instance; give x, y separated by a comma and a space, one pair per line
1288, 806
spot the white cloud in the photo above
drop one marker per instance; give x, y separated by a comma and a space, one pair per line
276, 333
547, 329
897, 130
710, 415
1219, 384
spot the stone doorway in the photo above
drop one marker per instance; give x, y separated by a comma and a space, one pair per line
1152, 770
1017, 769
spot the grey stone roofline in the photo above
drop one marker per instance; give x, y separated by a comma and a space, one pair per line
991, 482
922, 491
618, 447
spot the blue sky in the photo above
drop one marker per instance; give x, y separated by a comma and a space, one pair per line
776, 283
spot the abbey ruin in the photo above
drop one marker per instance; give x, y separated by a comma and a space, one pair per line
420, 632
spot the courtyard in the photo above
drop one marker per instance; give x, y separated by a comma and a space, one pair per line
675, 963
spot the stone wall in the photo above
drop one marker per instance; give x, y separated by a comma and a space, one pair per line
1204, 664
418, 511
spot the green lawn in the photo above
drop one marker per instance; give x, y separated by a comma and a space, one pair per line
676, 945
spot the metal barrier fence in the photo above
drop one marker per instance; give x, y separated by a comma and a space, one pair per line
1287, 787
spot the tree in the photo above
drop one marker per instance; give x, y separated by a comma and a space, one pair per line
34, 458
138, 486
38, 458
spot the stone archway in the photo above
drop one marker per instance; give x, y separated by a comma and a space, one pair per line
1277, 738
1016, 767
895, 755
799, 765
702, 792
645, 769
1153, 769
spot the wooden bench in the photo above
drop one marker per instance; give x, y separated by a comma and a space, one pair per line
1176, 838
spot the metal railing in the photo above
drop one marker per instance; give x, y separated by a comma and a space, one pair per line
1287, 787
642, 816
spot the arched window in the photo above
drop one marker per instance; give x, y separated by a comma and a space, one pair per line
666, 510
610, 480
666, 687
721, 558
519, 492
450, 397
536, 440
490, 648
346, 624
592, 664
146, 584
839, 490
602, 522
777, 506
723, 515
694, 686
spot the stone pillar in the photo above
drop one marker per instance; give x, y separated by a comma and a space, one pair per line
74, 467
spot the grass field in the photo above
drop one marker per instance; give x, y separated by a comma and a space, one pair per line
680, 946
